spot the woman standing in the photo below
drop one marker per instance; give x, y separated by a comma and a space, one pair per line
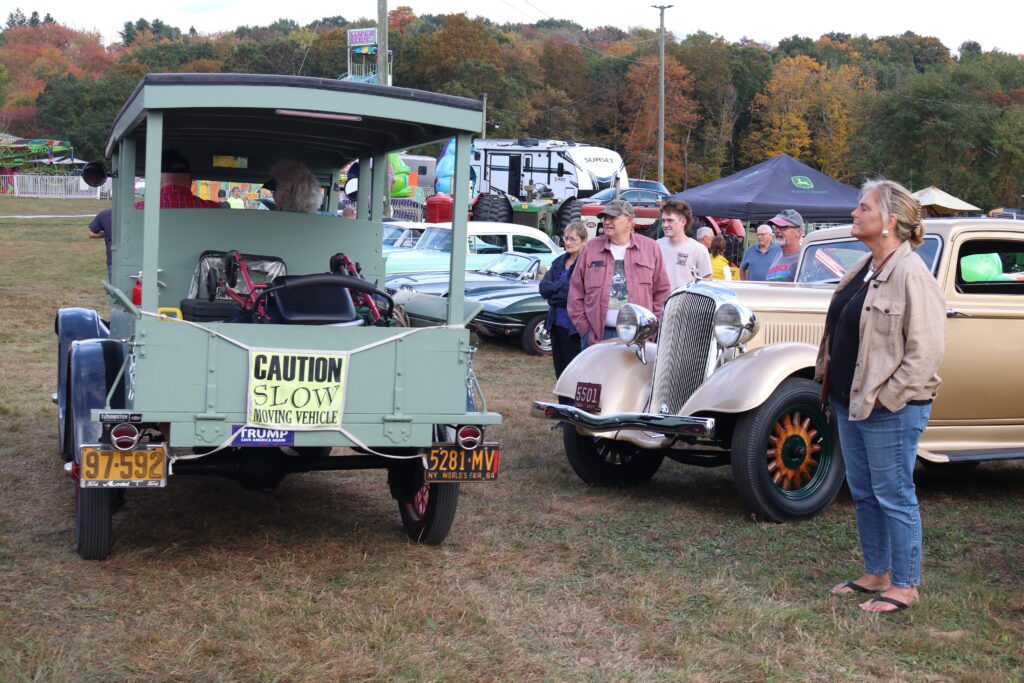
719, 263
883, 343
565, 340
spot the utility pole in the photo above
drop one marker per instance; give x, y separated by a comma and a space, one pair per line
483, 124
661, 94
382, 42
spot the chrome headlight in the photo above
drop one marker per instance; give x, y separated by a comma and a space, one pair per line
635, 324
735, 324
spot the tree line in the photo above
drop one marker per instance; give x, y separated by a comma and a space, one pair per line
902, 106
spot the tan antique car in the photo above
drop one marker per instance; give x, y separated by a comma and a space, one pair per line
729, 381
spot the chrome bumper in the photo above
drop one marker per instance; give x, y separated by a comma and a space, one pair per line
645, 422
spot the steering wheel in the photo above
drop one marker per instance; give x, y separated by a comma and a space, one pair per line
346, 281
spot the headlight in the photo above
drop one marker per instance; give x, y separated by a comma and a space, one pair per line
407, 288
635, 324
734, 325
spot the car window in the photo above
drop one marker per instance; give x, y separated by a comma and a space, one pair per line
410, 238
630, 195
529, 245
509, 265
605, 195
829, 261
987, 266
648, 196
391, 235
436, 238
488, 244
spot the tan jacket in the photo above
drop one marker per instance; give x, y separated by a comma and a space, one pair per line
902, 335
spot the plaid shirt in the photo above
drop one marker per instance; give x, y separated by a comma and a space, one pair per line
178, 197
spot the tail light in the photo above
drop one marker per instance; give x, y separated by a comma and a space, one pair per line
469, 437
124, 436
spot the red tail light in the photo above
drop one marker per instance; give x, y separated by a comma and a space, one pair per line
469, 437
124, 436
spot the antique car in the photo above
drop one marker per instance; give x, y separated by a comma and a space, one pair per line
729, 381
485, 241
255, 348
507, 287
401, 235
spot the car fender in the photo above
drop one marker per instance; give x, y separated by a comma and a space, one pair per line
93, 365
747, 381
625, 381
72, 324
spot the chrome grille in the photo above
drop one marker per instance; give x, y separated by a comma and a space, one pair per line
684, 348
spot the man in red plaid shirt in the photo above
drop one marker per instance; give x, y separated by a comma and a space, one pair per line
176, 184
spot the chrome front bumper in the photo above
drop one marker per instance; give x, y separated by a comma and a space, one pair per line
645, 422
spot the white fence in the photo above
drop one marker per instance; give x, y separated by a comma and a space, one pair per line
51, 186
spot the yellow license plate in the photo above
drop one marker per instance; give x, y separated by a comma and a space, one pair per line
105, 467
448, 462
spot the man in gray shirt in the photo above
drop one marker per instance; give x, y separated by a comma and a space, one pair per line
685, 259
789, 235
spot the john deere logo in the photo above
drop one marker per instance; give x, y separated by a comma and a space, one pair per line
803, 182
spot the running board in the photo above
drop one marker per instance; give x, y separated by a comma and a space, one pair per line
985, 456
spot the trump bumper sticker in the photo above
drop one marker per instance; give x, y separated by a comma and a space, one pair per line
296, 391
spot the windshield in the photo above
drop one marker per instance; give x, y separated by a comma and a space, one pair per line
439, 239
508, 265
391, 235
604, 195
829, 261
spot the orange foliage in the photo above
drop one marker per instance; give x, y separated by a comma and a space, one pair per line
641, 112
34, 55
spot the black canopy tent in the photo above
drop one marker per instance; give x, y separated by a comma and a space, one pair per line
759, 192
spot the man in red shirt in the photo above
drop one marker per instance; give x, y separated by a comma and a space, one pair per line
176, 184
619, 266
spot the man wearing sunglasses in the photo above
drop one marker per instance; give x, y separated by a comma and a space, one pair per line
788, 226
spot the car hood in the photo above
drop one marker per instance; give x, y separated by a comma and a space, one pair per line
782, 297
436, 282
510, 300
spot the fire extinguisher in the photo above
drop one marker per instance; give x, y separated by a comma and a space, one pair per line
137, 290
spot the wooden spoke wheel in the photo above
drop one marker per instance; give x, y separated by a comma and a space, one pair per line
794, 447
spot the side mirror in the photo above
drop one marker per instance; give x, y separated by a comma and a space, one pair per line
561, 169
94, 174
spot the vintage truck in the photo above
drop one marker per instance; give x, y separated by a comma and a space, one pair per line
255, 347
729, 382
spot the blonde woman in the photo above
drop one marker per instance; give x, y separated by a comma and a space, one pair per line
883, 343
720, 269
565, 340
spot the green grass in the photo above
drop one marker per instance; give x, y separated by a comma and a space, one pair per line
541, 577
26, 206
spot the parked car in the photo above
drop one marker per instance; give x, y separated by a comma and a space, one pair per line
401, 235
180, 382
485, 241
507, 287
646, 203
729, 381
641, 184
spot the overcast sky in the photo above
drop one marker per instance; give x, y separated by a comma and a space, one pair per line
991, 23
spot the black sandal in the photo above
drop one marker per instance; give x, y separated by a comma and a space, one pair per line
854, 589
899, 604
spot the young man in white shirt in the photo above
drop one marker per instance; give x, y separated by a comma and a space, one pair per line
685, 259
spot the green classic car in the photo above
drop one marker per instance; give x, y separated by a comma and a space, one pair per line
243, 356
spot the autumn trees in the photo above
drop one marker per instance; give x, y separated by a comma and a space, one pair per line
902, 106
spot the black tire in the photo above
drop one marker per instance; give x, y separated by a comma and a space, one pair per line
808, 466
569, 211
94, 512
428, 515
492, 207
535, 339
604, 462
94, 509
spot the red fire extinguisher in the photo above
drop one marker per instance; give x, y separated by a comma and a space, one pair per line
137, 290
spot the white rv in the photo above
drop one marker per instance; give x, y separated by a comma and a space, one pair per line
569, 169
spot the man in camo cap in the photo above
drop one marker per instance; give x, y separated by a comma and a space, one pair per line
617, 267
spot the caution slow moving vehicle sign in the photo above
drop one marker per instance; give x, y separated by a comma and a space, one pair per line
296, 390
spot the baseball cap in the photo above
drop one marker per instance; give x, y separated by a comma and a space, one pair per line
617, 207
173, 161
788, 218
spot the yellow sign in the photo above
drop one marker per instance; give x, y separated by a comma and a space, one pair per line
296, 390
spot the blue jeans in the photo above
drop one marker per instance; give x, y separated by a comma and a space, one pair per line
880, 453
609, 333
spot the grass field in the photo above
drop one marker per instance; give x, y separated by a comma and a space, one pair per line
541, 578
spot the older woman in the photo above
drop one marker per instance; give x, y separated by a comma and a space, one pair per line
565, 340
295, 187
883, 343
